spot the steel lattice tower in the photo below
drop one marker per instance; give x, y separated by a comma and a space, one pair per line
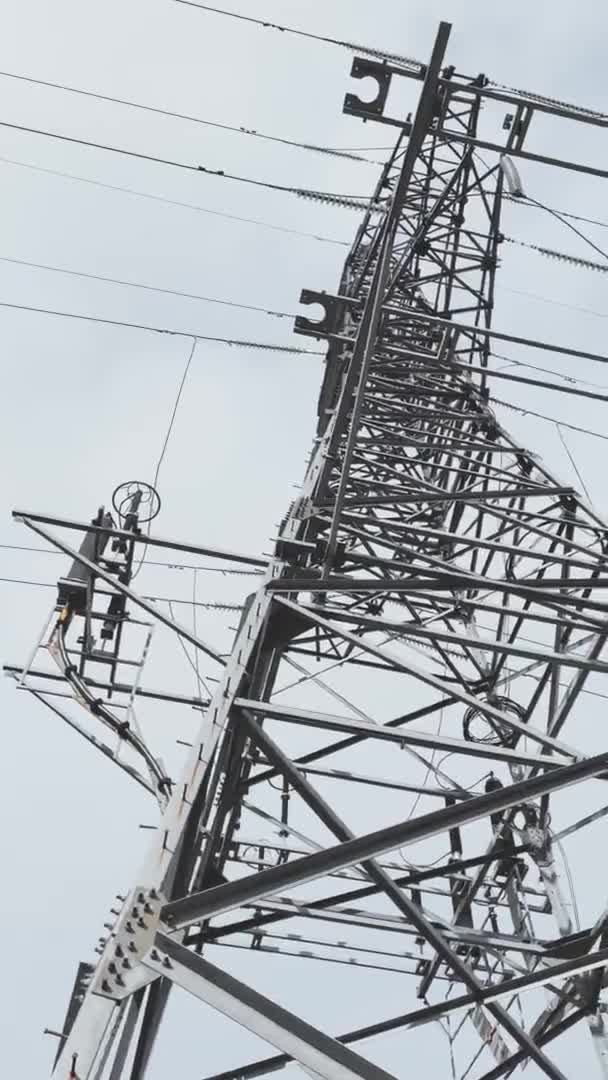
449, 594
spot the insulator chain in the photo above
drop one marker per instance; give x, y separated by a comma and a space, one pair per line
543, 100
575, 260
405, 61
337, 200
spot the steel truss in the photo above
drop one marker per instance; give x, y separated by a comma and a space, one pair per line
433, 570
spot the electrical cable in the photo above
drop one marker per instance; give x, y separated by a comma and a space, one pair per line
556, 303
151, 562
277, 228
381, 53
98, 708
573, 462
199, 678
564, 213
564, 221
550, 419
218, 605
148, 288
236, 342
174, 412
165, 445
549, 371
174, 202
542, 383
332, 198
239, 130
245, 307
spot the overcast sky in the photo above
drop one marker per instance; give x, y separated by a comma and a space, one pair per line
85, 405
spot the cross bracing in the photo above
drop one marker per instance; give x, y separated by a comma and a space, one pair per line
442, 598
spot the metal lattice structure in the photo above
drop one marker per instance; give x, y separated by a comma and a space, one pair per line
448, 595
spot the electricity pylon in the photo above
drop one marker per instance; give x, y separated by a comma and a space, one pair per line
448, 594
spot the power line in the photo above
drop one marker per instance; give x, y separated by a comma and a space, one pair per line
239, 130
237, 343
173, 415
564, 221
548, 371
148, 288
277, 228
556, 303
500, 374
347, 202
572, 461
174, 202
564, 213
550, 419
386, 55
246, 307
219, 605
150, 562
407, 61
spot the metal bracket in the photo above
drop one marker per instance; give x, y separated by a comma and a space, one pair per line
333, 307
363, 68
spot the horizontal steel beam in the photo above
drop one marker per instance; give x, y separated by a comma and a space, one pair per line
413, 629
142, 538
406, 497
402, 736
394, 924
426, 677
221, 898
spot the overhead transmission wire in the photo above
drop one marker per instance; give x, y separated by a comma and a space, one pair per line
572, 461
163, 451
151, 562
178, 396
236, 342
219, 605
331, 198
557, 303
150, 288
237, 129
549, 419
546, 371
174, 202
199, 678
564, 221
251, 307
564, 213
307, 235
522, 197
382, 54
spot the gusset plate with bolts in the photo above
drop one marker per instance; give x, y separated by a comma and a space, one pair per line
120, 972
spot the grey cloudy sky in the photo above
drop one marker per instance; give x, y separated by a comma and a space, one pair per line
85, 406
